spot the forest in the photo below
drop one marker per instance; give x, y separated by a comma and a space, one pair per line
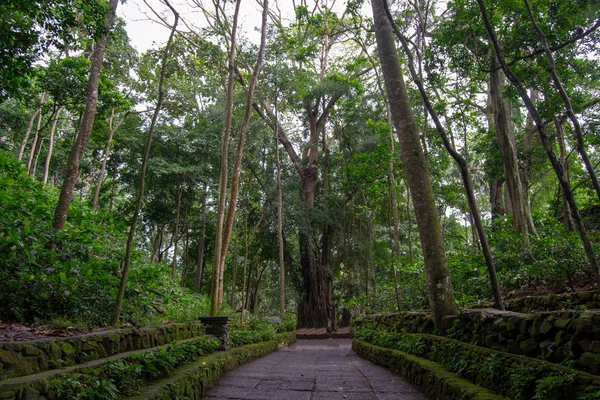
334, 159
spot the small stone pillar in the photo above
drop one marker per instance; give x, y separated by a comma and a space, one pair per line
218, 327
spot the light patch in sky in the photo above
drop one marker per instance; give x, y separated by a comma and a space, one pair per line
143, 28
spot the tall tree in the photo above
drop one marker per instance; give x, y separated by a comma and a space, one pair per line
541, 128
462, 165
438, 282
142, 174
85, 128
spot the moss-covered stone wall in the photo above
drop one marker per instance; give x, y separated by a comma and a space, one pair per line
560, 337
511, 375
579, 300
29, 357
431, 378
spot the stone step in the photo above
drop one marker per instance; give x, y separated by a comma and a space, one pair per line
34, 356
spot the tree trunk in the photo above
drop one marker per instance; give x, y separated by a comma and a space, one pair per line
142, 177
200, 261
235, 178
85, 128
280, 229
157, 243
174, 264
438, 281
541, 128
233, 276
186, 245
50, 146
34, 145
30, 125
475, 216
496, 198
501, 109
560, 138
567, 102
217, 282
111, 132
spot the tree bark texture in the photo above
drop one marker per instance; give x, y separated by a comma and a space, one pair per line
438, 282
501, 110
216, 293
29, 126
475, 215
50, 145
85, 127
200, 261
566, 100
176, 244
142, 176
541, 128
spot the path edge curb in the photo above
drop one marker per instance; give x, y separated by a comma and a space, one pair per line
431, 378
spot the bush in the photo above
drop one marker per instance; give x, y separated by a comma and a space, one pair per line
73, 275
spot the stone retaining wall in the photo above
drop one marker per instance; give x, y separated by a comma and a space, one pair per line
33, 356
554, 336
555, 302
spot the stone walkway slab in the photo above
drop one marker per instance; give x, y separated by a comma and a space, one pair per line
313, 370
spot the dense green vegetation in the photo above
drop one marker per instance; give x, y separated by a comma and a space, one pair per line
349, 232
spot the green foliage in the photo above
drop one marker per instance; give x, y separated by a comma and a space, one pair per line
407, 343
77, 280
125, 376
554, 387
28, 28
242, 338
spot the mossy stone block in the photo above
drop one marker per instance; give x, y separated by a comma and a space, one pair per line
529, 347
67, 350
584, 324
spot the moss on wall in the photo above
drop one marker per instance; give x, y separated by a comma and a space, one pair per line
431, 378
34, 356
511, 375
560, 337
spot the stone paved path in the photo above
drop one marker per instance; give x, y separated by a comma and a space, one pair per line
313, 370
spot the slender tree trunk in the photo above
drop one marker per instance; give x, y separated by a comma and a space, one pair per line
235, 178
560, 138
157, 243
217, 285
409, 220
85, 128
501, 109
174, 264
280, 228
246, 246
34, 145
186, 245
567, 102
475, 216
111, 132
233, 275
37, 112
142, 177
50, 145
37, 156
589, 250
200, 267
438, 281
